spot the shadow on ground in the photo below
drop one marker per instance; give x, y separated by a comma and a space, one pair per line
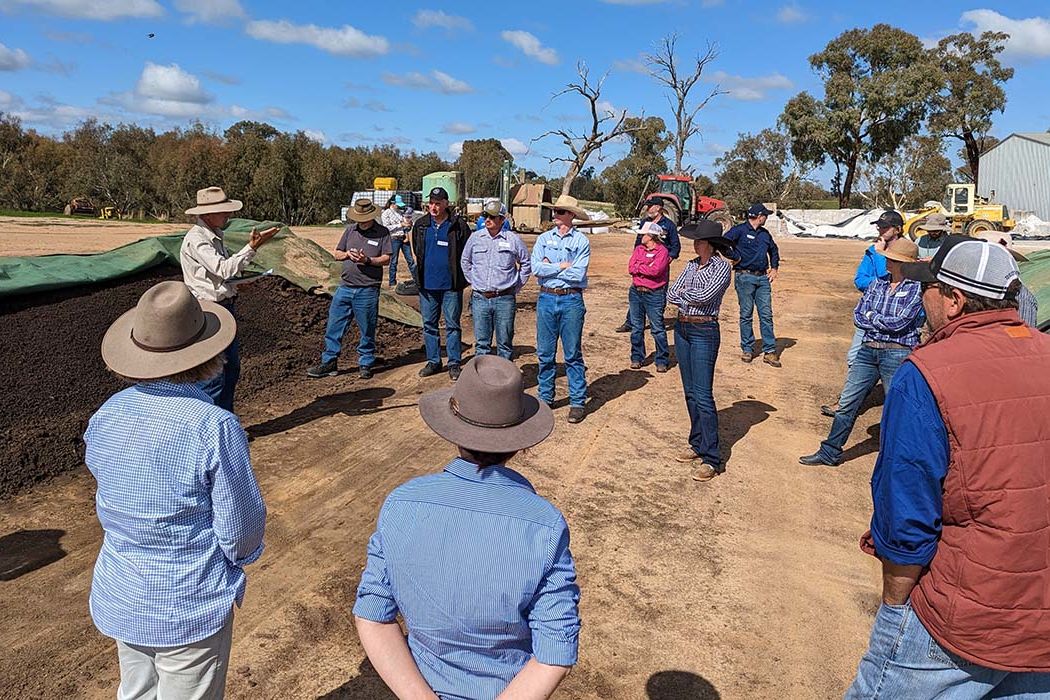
358, 402
734, 422
866, 447
26, 551
680, 685
367, 685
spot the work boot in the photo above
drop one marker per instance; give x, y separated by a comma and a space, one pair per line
365, 371
430, 369
661, 368
746, 357
576, 413
771, 359
325, 369
817, 460
829, 411
624, 327
687, 456
636, 365
453, 372
704, 473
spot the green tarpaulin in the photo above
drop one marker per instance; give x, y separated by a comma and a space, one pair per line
1035, 273
298, 260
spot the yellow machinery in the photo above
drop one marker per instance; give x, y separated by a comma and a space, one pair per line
968, 213
107, 212
384, 183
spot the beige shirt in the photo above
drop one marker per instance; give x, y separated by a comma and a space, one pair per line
207, 265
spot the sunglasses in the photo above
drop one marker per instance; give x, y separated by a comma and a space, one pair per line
559, 212
490, 216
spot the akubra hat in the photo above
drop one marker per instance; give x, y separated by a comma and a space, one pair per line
706, 230
169, 331
901, 250
568, 203
213, 200
363, 210
487, 409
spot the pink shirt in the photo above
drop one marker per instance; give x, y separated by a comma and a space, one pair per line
650, 268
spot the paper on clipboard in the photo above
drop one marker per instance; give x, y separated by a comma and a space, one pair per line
242, 280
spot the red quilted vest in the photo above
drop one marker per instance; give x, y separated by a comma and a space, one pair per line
986, 595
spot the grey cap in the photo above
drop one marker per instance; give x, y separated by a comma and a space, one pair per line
974, 266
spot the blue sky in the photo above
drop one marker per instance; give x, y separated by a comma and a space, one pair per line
425, 76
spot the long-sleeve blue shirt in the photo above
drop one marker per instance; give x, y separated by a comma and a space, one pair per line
495, 264
573, 248
671, 237
908, 482
872, 267
753, 248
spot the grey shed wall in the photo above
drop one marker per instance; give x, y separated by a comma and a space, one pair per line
1018, 170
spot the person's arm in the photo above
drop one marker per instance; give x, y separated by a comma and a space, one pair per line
204, 253
524, 263
387, 649
238, 511
634, 265
577, 269
466, 263
535, 681
905, 317
717, 284
863, 311
660, 265
674, 242
340, 252
865, 274
774, 258
540, 268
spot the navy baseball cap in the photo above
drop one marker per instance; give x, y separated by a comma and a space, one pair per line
889, 218
758, 209
438, 193
653, 200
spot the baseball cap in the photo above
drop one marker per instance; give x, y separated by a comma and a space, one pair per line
889, 218
653, 200
654, 230
758, 209
438, 193
493, 207
971, 265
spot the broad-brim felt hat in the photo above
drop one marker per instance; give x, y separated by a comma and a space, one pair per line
487, 409
363, 210
169, 331
707, 230
568, 203
901, 250
213, 200
935, 222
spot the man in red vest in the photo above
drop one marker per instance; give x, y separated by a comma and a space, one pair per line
961, 494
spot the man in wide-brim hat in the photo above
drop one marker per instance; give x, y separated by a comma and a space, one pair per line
570, 204
177, 499
208, 267
936, 226
476, 562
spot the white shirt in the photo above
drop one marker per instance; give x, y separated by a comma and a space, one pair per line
394, 221
207, 265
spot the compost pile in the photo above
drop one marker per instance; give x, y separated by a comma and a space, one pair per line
55, 379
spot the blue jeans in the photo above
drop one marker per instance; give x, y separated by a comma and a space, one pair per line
361, 304
755, 291
222, 386
651, 304
561, 317
854, 346
696, 346
904, 661
496, 314
432, 305
864, 374
397, 246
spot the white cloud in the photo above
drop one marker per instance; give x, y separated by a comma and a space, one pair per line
210, 11
170, 83
631, 65
223, 78
436, 81
749, 89
47, 114
425, 19
344, 41
13, 59
791, 14
318, 136
370, 105
1029, 38
530, 45
458, 128
455, 149
514, 146
104, 10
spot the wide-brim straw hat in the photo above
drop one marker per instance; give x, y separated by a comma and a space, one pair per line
935, 222
707, 230
1002, 238
169, 331
569, 203
487, 409
901, 250
213, 200
363, 210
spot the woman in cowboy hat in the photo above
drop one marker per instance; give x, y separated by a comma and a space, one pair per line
179, 505
207, 268
890, 314
477, 564
698, 293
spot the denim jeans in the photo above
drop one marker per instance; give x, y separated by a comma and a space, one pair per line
561, 317
854, 346
696, 346
432, 305
361, 304
865, 372
755, 291
904, 661
221, 387
648, 304
397, 246
495, 314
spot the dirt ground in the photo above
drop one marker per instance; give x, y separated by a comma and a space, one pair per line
748, 586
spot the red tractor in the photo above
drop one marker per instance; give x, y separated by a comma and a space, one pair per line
683, 204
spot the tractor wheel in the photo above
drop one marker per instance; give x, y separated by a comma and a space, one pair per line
913, 232
723, 217
979, 226
672, 212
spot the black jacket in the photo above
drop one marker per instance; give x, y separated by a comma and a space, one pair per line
458, 233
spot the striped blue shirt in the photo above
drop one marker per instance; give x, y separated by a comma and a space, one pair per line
181, 513
891, 315
698, 291
573, 248
479, 567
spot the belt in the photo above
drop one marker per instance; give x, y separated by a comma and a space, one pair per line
648, 290
884, 345
501, 293
696, 319
741, 271
561, 291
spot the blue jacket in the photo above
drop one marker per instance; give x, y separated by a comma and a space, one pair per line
872, 267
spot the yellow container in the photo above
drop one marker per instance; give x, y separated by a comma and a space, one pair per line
384, 183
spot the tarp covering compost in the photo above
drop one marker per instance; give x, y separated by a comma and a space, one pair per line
298, 260
1035, 273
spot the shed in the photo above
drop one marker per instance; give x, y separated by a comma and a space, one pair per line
525, 209
1016, 172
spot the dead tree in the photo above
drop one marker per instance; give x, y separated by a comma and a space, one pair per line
582, 146
664, 68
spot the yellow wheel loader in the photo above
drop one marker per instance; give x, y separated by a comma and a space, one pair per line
967, 213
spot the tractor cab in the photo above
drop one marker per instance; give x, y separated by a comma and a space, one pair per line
959, 199
681, 186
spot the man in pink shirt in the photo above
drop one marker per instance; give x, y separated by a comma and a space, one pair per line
649, 268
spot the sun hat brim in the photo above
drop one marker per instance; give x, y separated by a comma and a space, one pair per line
896, 256
359, 218
123, 356
230, 205
536, 426
576, 211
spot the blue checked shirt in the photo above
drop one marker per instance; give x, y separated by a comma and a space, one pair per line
891, 315
479, 567
698, 291
573, 248
495, 264
180, 510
